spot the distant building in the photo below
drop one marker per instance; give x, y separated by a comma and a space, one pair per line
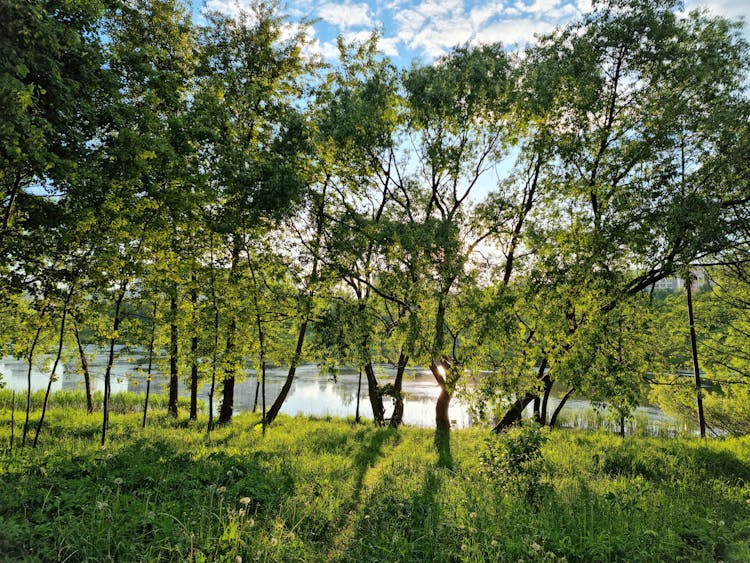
699, 275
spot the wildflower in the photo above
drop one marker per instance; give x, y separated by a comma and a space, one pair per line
464, 547
251, 522
241, 512
535, 546
493, 543
274, 541
221, 490
237, 559
291, 536
119, 481
245, 501
472, 514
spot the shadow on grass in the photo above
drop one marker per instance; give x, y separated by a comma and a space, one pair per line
402, 516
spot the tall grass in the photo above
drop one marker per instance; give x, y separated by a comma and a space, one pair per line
331, 490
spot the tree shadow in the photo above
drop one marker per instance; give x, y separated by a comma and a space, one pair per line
443, 447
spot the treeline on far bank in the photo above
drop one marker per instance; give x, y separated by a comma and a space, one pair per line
501, 217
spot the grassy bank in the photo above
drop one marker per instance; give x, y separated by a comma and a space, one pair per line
322, 490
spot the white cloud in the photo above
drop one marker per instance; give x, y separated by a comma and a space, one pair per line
519, 31
345, 15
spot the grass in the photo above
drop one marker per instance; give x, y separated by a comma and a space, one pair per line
330, 490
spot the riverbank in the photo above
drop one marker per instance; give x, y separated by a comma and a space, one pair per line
320, 490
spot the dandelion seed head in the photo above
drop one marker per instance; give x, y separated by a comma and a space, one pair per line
245, 501
274, 541
119, 481
221, 490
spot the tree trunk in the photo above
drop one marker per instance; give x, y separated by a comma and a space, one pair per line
694, 349
359, 390
194, 378
257, 394
545, 399
194, 358
12, 421
514, 413
84, 369
150, 364
273, 412
28, 388
54, 367
538, 409
376, 398
110, 361
398, 400
173, 369
442, 419
553, 420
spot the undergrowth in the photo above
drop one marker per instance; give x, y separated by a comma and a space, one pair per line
332, 490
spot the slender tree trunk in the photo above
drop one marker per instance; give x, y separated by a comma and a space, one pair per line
227, 399
194, 360
150, 364
211, 391
545, 397
359, 390
54, 367
110, 360
28, 386
12, 420
263, 396
694, 348
174, 379
84, 369
398, 399
556, 413
622, 425
257, 393
273, 412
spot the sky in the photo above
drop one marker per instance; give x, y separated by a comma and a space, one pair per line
422, 30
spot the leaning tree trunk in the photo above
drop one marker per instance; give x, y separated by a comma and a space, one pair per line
376, 397
515, 412
553, 420
28, 388
84, 369
398, 400
273, 411
54, 367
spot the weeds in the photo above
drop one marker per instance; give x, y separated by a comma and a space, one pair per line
319, 490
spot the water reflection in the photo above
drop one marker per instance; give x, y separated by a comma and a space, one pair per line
311, 393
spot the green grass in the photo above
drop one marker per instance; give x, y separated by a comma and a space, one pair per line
330, 490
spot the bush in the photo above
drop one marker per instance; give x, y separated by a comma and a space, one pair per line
514, 461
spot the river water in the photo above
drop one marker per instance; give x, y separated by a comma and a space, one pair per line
312, 393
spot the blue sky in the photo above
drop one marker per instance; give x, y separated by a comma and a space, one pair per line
424, 29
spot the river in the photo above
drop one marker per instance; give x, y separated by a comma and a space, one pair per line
312, 393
